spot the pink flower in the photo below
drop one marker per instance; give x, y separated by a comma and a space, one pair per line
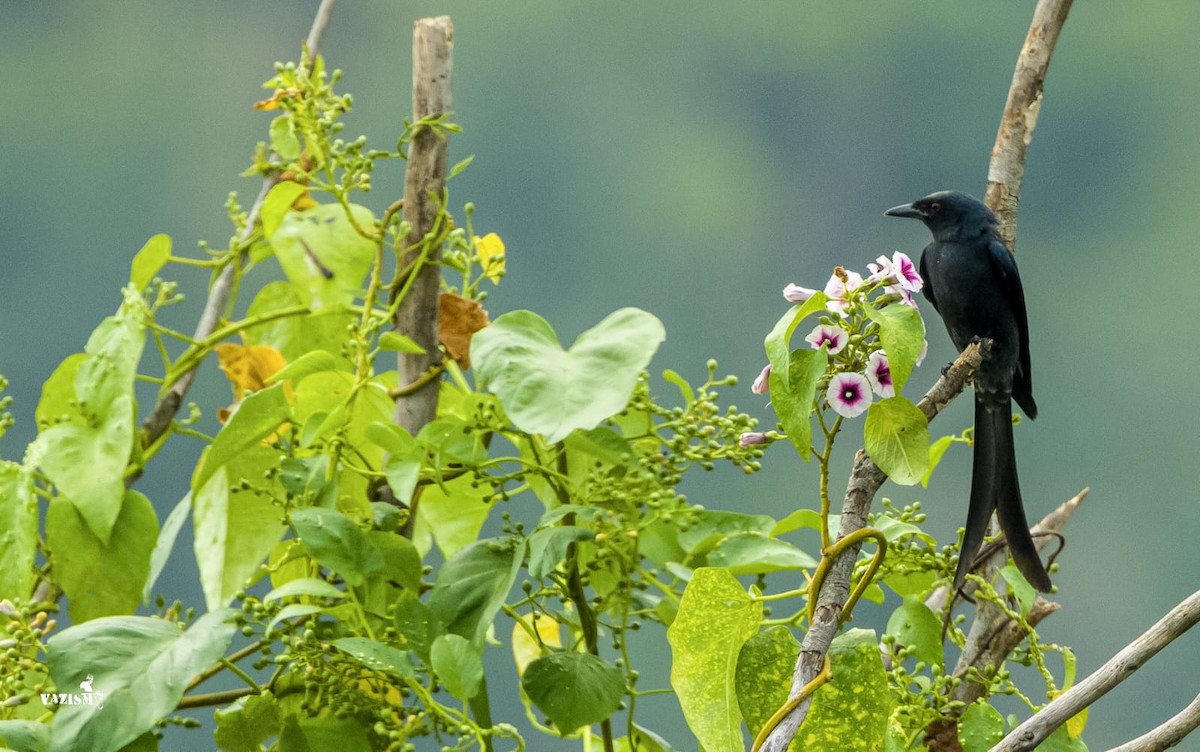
879, 374
849, 394
797, 294
833, 337
906, 297
762, 384
754, 438
881, 271
839, 291
906, 272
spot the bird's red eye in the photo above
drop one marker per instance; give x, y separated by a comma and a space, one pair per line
935, 208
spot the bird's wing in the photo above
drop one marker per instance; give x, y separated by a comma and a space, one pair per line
1010, 282
927, 287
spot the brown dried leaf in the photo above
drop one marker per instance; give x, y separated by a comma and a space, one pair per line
458, 319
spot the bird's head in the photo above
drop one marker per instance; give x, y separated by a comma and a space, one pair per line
948, 214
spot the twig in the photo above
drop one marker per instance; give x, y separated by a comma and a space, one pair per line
424, 188
1118, 668
865, 481
218, 295
1007, 166
1168, 734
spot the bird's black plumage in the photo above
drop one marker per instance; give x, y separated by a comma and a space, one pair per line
971, 280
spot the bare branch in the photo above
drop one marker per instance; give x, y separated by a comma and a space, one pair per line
218, 295
1007, 166
1118, 668
1167, 735
865, 481
424, 188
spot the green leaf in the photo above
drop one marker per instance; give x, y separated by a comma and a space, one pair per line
308, 363
453, 514
166, 543
78, 556
399, 343
716, 617
311, 587
471, 586
644, 740
600, 443
705, 523
150, 260
416, 624
322, 254
403, 472
764, 674
459, 664
278, 203
936, 450
18, 531
551, 391
257, 417
283, 138
548, 547
896, 437
337, 542
980, 728
112, 354
247, 723
376, 655
755, 553
915, 626
778, 341
87, 464
797, 520
573, 689
322, 329
58, 403
793, 399
901, 332
685, 389
140, 665
293, 611
906, 581
401, 560
235, 531
1019, 587
851, 711
25, 736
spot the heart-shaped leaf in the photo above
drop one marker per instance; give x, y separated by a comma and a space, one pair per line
551, 391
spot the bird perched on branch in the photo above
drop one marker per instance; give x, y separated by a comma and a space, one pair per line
971, 280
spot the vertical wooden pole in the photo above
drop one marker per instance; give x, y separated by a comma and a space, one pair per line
424, 183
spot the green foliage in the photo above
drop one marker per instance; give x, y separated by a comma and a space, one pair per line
311, 493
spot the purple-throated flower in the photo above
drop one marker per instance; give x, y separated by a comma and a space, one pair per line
833, 337
762, 384
879, 373
796, 294
906, 272
849, 394
906, 296
881, 271
839, 291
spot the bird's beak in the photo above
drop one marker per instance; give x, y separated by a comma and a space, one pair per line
905, 210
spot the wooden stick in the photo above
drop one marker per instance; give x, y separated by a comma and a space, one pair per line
424, 190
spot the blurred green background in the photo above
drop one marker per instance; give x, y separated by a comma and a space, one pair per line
689, 159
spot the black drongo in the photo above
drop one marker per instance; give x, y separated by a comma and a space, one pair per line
971, 280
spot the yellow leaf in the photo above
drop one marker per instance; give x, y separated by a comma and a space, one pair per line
525, 648
249, 366
490, 249
1076, 723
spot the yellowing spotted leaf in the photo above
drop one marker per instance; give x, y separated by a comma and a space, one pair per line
490, 249
525, 648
